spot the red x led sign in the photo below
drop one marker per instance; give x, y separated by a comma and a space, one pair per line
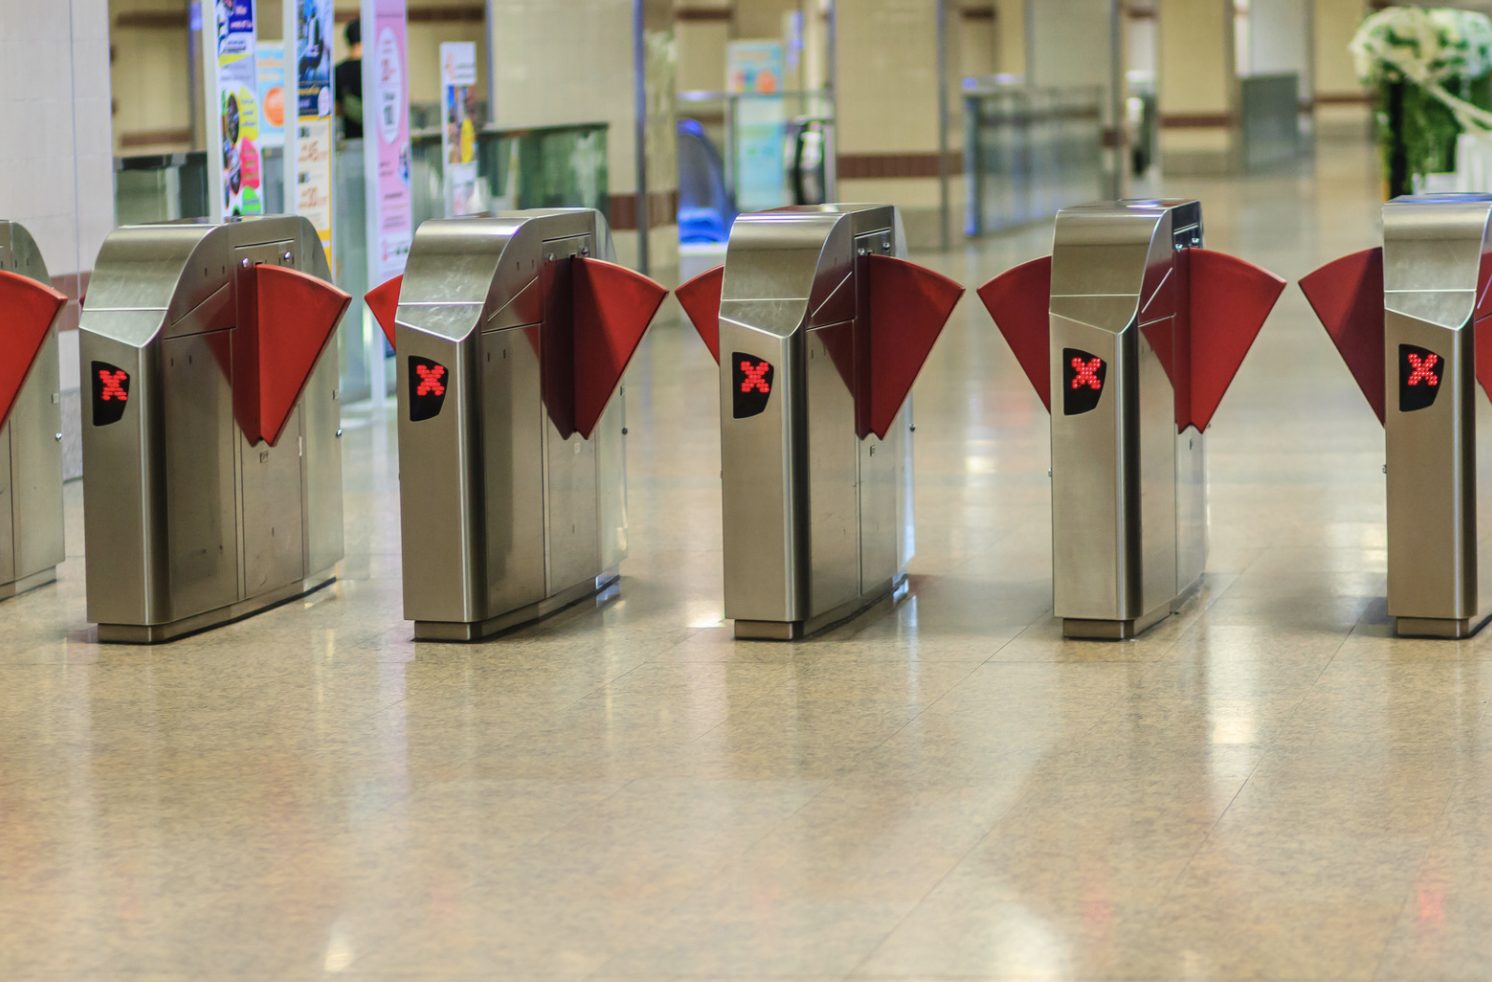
1420, 374
111, 392
1083, 376
751, 384
428, 382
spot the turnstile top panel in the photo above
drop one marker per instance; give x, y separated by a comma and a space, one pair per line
470, 274
179, 277
1109, 258
19, 254
784, 266
1435, 256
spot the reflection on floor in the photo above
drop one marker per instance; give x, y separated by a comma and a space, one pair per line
1266, 786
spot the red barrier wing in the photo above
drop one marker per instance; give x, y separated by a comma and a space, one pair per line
1347, 295
1020, 301
613, 308
27, 310
383, 301
1229, 302
909, 305
297, 316
700, 298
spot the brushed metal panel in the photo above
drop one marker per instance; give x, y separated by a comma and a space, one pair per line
512, 469
8, 509
1095, 483
831, 472
273, 531
1431, 481
201, 536
1155, 457
31, 443
611, 479
573, 545
762, 494
123, 519
439, 491
1191, 508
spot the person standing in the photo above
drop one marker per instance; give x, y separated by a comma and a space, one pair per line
348, 83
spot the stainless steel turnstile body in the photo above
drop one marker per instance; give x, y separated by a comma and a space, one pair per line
1409, 319
512, 466
815, 443
212, 468
31, 435
1130, 332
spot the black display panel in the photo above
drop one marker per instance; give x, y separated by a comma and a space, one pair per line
428, 382
1420, 372
1083, 377
752, 388
111, 392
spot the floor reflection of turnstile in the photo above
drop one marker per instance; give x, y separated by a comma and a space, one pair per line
512, 336
212, 471
1409, 320
819, 329
30, 417
1130, 333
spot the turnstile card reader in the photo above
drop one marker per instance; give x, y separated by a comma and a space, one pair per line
212, 471
512, 335
1131, 333
30, 417
819, 327
1410, 320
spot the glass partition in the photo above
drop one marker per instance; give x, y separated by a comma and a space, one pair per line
1029, 152
536, 167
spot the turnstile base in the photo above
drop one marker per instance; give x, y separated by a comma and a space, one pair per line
747, 630
1449, 628
1083, 629
15, 587
467, 631
208, 619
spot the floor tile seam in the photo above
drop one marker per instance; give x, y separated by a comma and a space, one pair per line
1441, 821
917, 904
1202, 844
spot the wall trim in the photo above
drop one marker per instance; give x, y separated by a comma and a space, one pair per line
867, 166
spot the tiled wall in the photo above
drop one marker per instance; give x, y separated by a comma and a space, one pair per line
56, 158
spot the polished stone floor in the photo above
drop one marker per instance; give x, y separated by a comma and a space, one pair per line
1267, 786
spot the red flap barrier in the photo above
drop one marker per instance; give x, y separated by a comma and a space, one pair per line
613, 308
27, 310
909, 304
1347, 295
383, 301
700, 298
296, 315
1229, 302
1020, 301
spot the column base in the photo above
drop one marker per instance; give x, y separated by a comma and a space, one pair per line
891, 590
1441, 628
602, 587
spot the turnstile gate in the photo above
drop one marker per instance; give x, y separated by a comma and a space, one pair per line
212, 472
512, 336
1409, 320
30, 417
1130, 333
819, 327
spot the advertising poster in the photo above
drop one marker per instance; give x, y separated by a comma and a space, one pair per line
755, 69
459, 124
314, 29
386, 137
238, 108
269, 62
